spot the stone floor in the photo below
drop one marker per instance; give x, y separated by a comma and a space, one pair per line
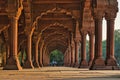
59, 73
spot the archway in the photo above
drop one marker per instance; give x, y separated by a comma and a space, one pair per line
56, 58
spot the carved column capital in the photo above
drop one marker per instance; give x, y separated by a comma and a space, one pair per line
110, 15
98, 14
15, 8
77, 40
91, 33
84, 32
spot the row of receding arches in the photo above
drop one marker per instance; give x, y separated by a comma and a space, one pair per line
39, 38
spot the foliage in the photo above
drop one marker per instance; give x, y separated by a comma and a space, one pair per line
87, 49
56, 56
104, 49
117, 45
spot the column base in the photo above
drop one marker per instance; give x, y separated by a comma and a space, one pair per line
28, 64
76, 64
112, 68
41, 65
66, 65
71, 65
98, 64
90, 62
111, 62
35, 64
12, 64
83, 64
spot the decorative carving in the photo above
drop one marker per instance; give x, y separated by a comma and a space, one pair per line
15, 8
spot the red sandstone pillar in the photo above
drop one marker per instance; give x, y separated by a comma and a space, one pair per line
91, 48
76, 53
83, 63
69, 57
12, 61
35, 63
41, 54
110, 59
28, 62
7, 51
72, 55
44, 56
98, 62
66, 58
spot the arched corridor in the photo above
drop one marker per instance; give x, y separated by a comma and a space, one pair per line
32, 29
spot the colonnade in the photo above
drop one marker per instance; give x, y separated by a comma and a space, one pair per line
72, 54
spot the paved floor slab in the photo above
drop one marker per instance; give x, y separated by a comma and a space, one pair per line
59, 73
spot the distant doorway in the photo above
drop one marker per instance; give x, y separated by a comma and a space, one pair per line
56, 58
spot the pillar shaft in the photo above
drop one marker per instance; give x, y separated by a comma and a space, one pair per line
83, 55
7, 51
76, 53
35, 63
83, 63
110, 59
72, 55
12, 61
98, 62
110, 38
91, 48
98, 38
28, 62
67, 58
69, 53
44, 56
41, 55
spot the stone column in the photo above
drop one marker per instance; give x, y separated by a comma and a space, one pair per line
41, 54
98, 62
91, 48
83, 63
69, 56
12, 61
28, 62
35, 63
66, 58
47, 57
110, 58
76, 53
7, 50
44, 56
72, 55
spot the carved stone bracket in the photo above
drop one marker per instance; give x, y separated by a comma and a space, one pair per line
29, 29
15, 8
